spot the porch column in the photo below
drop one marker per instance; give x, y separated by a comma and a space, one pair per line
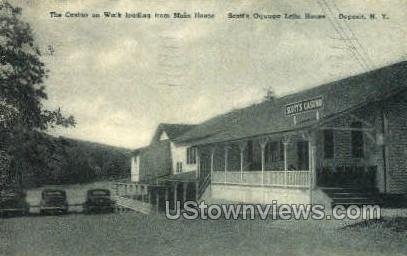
226, 160
157, 199
285, 162
212, 158
285, 155
285, 142
242, 147
386, 166
263, 143
311, 163
198, 164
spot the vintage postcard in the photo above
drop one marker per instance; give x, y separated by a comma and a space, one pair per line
205, 127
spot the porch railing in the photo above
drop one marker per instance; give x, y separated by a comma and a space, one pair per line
268, 178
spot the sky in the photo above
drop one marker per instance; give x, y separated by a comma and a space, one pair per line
120, 78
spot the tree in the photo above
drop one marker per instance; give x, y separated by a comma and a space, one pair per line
22, 75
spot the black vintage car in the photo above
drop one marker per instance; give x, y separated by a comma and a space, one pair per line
53, 201
98, 200
13, 202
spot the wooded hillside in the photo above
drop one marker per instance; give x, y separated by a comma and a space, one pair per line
52, 160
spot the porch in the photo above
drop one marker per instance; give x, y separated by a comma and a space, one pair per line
302, 159
279, 161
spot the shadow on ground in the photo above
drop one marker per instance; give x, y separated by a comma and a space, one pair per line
396, 224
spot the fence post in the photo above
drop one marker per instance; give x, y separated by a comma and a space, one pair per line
137, 191
148, 196
175, 196
196, 192
166, 197
142, 192
184, 191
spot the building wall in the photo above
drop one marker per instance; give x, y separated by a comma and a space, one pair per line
159, 159
155, 161
135, 168
396, 142
179, 155
259, 194
392, 179
370, 116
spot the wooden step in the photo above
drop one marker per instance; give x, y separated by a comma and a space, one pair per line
347, 204
355, 199
351, 194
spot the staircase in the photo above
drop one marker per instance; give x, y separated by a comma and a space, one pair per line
347, 196
125, 204
203, 184
146, 198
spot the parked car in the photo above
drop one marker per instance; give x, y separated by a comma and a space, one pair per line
98, 200
13, 202
53, 201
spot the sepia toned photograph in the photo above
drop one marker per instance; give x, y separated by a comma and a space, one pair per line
204, 127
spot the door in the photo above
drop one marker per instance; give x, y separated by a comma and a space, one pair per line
302, 155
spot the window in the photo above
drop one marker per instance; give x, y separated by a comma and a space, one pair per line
274, 155
249, 149
179, 167
328, 144
302, 154
191, 155
281, 151
357, 140
272, 151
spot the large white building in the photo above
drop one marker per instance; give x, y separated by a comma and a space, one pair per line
314, 144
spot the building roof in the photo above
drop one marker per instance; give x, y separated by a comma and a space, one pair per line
182, 177
173, 131
270, 116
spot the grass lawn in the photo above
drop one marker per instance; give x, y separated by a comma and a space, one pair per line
137, 234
